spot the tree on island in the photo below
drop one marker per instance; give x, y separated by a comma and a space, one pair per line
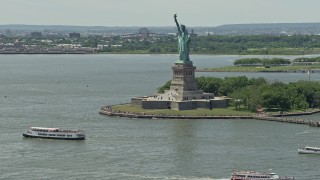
262, 62
250, 94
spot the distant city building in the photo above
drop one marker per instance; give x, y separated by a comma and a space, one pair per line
8, 32
102, 46
192, 34
74, 35
36, 34
144, 32
143, 36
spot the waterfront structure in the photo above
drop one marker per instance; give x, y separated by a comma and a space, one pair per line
184, 93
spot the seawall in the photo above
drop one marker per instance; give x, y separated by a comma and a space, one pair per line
284, 118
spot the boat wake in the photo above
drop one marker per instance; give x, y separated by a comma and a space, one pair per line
303, 132
145, 176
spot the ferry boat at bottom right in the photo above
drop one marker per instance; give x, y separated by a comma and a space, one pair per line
254, 175
309, 150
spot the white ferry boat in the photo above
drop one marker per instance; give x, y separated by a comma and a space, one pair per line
253, 175
309, 150
54, 133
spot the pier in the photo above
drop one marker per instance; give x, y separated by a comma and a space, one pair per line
287, 118
281, 119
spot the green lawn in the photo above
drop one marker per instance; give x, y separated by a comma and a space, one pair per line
198, 112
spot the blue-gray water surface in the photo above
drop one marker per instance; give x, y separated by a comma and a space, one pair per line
68, 90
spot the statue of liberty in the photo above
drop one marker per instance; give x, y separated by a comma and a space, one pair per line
183, 42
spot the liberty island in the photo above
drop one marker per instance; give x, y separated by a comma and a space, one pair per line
183, 93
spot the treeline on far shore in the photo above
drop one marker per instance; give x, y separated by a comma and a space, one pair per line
167, 44
255, 93
224, 44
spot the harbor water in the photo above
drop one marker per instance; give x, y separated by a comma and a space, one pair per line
67, 91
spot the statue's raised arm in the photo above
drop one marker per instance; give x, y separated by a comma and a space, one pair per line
175, 20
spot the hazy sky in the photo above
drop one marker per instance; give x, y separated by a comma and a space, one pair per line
157, 12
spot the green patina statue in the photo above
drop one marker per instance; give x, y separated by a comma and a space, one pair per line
183, 42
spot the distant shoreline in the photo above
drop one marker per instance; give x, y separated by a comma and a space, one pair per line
163, 53
272, 71
46, 53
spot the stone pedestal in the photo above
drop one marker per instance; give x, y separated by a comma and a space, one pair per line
183, 94
183, 78
184, 82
